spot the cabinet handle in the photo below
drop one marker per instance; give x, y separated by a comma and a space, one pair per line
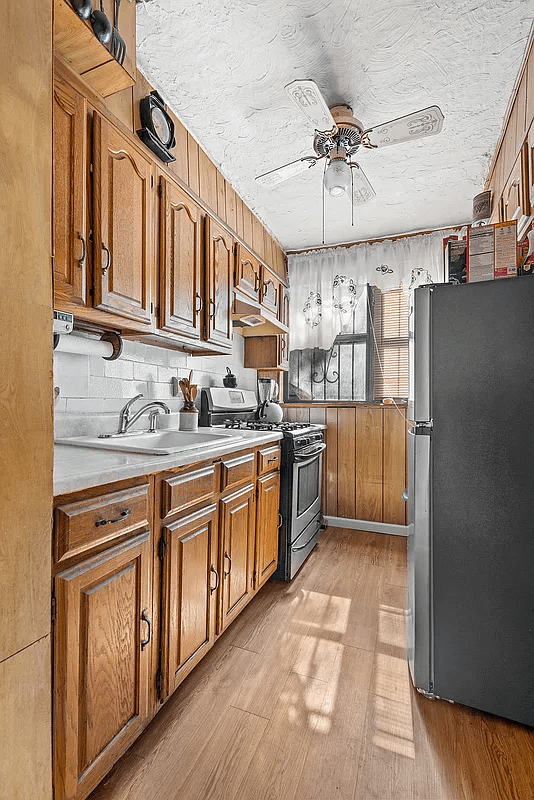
212, 305
145, 618
283, 341
217, 580
122, 515
199, 298
84, 251
256, 282
280, 521
270, 460
230, 560
108, 260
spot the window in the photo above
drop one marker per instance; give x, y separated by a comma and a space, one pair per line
368, 360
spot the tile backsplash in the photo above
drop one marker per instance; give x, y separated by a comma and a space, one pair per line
93, 386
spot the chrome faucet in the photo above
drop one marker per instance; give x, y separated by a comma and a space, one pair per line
154, 407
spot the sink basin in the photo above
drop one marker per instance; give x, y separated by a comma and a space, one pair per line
161, 443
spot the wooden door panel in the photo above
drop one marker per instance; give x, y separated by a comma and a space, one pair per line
237, 534
220, 285
101, 667
122, 272
368, 461
180, 262
248, 273
70, 192
190, 592
270, 293
267, 511
394, 465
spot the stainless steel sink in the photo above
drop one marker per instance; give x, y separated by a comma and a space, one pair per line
161, 443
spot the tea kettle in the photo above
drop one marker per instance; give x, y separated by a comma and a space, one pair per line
268, 409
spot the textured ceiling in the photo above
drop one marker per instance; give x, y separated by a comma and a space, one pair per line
222, 67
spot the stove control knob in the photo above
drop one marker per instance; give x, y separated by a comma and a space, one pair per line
304, 441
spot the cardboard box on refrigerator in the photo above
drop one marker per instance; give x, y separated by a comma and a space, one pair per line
492, 252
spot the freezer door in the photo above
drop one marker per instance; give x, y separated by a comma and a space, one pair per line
421, 364
420, 632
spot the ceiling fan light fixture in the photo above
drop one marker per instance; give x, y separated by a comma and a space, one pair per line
337, 177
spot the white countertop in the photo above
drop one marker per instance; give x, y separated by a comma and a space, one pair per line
77, 468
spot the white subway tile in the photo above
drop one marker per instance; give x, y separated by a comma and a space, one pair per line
156, 355
177, 359
145, 372
134, 351
106, 387
165, 374
86, 405
119, 369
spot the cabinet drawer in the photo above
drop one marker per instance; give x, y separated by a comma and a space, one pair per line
268, 459
186, 488
83, 524
237, 470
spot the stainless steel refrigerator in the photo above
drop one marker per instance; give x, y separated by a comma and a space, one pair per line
471, 496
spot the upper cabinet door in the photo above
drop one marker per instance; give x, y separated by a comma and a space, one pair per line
181, 250
219, 289
247, 273
70, 208
270, 293
123, 262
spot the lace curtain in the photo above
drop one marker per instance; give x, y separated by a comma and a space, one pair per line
327, 284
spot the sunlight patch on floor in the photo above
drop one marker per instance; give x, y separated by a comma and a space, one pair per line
393, 727
391, 678
392, 626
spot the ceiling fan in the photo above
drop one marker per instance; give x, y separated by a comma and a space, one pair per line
339, 135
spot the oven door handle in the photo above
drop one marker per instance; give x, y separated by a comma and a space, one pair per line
307, 454
312, 537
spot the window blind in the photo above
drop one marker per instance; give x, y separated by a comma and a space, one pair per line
391, 344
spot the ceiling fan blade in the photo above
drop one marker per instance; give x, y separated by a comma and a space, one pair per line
426, 122
362, 191
281, 174
308, 98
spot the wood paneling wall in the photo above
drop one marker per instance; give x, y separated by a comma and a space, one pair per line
364, 469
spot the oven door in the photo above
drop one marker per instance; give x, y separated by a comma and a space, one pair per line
307, 471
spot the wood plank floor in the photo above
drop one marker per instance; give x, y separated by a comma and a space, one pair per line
307, 697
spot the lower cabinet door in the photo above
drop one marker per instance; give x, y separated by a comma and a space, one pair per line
267, 515
190, 590
101, 656
237, 552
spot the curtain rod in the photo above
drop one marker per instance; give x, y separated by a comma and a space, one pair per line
373, 241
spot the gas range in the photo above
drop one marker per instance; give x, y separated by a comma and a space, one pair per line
289, 428
237, 408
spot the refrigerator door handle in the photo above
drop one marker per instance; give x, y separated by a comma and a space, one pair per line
420, 612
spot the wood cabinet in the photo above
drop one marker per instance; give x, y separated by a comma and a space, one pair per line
248, 272
122, 239
181, 262
237, 552
101, 656
267, 352
283, 314
190, 591
135, 612
267, 521
270, 292
219, 277
70, 177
